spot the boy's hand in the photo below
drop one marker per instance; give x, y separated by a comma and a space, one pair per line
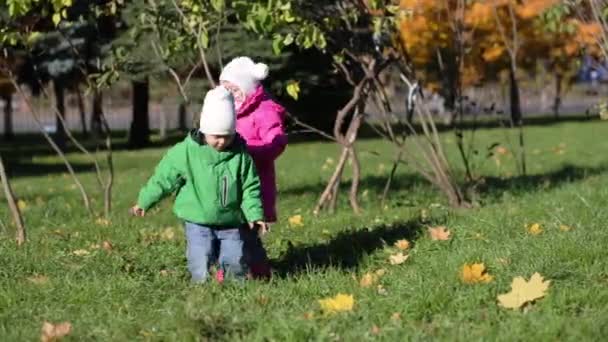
262, 226
137, 211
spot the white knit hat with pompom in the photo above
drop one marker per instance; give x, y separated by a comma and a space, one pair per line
218, 115
245, 74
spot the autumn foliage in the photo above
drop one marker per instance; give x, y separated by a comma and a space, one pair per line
431, 32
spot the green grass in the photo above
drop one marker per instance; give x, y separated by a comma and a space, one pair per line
123, 295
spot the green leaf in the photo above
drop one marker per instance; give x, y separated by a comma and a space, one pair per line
31, 38
218, 5
277, 44
288, 40
56, 18
293, 89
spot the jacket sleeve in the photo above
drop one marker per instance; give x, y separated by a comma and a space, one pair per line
167, 178
251, 204
272, 134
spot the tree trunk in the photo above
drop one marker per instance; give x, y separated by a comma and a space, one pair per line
12, 204
558, 95
8, 117
96, 126
81, 110
182, 114
516, 117
60, 134
139, 133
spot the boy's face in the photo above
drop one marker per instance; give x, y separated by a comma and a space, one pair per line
219, 142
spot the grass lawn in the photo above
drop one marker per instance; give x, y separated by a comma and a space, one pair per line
139, 290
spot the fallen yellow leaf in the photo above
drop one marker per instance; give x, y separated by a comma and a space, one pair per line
439, 233
475, 273
22, 205
102, 222
167, 234
398, 258
375, 330
367, 280
402, 244
380, 272
523, 291
51, 332
81, 252
381, 290
502, 150
38, 279
396, 317
564, 228
339, 303
296, 221
535, 229
107, 245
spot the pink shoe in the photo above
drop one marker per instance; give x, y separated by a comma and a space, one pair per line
219, 276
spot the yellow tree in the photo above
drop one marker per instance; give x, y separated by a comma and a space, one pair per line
456, 44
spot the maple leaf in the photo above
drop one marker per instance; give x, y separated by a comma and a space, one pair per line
51, 332
535, 229
523, 291
402, 244
398, 258
339, 303
296, 221
475, 273
440, 233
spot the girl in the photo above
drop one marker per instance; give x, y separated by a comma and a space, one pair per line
260, 123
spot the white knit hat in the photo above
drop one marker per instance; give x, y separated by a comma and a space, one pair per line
217, 116
244, 73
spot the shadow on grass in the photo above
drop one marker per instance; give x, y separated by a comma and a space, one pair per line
344, 250
20, 168
492, 187
518, 185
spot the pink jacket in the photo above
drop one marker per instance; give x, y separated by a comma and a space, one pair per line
260, 122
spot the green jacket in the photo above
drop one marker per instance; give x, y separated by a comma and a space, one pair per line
213, 188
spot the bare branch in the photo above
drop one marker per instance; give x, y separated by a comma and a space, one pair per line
85, 196
12, 204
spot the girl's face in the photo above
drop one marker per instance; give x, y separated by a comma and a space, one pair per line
237, 93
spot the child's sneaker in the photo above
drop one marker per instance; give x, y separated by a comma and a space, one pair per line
219, 276
260, 270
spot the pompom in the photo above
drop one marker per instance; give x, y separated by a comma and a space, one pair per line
260, 71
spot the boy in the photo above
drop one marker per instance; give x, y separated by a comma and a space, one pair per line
218, 190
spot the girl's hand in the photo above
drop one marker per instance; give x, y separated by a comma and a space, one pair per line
262, 227
137, 211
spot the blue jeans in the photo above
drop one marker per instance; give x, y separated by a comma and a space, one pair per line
203, 244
